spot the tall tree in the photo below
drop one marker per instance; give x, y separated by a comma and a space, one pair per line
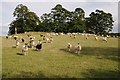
25, 20
60, 18
99, 22
78, 20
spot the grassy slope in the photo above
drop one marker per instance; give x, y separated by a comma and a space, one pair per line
97, 59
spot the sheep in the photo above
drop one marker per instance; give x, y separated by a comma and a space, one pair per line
44, 37
47, 40
17, 43
78, 48
39, 45
32, 43
69, 46
15, 37
104, 39
74, 36
56, 34
86, 36
25, 49
96, 38
51, 39
25, 32
7, 37
23, 40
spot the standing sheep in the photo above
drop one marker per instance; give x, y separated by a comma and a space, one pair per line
25, 49
32, 43
69, 46
17, 43
78, 48
39, 45
104, 39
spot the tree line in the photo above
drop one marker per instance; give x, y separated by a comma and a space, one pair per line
60, 20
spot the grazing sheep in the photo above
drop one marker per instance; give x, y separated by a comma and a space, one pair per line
69, 46
74, 36
15, 37
7, 37
56, 34
32, 43
41, 35
47, 40
25, 49
17, 43
96, 38
39, 45
23, 40
78, 48
51, 39
28, 35
86, 36
25, 32
44, 37
104, 39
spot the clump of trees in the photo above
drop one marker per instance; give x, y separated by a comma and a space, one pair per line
61, 20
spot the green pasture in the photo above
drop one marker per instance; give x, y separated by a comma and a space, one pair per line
97, 59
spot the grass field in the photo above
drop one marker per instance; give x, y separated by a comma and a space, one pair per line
98, 59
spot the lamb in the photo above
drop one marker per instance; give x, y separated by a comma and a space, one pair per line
74, 36
17, 43
25, 49
104, 39
39, 45
23, 40
51, 39
15, 37
96, 38
86, 36
47, 40
78, 48
69, 46
32, 43
44, 37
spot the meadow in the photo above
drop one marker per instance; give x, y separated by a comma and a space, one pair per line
98, 59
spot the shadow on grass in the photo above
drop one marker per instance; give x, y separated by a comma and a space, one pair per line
91, 73
100, 53
13, 46
24, 74
72, 51
19, 53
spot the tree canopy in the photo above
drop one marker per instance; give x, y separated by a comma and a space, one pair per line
99, 22
61, 20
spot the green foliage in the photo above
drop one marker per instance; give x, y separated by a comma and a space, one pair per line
61, 20
25, 20
99, 22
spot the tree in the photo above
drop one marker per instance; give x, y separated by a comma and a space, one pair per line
78, 20
25, 20
60, 18
47, 22
99, 22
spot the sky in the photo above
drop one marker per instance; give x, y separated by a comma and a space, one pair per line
7, 8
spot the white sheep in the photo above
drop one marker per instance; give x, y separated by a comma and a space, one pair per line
69, 46
32, 43
47, 40
96, 38
17, 43
104, 39
25, 49
51, 39
78, 48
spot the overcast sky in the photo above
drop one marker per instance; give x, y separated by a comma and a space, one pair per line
40, 7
